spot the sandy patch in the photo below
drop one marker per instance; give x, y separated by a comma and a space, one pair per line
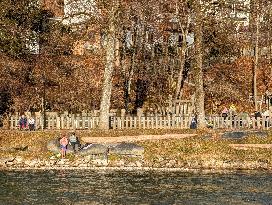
249, 146
134, 138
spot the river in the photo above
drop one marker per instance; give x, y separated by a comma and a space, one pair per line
84, 187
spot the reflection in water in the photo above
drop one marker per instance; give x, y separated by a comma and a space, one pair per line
84, 187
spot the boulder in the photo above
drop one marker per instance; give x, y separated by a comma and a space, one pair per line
54, 146
127, 149
258, 133
242, 134
234, 135
93, 149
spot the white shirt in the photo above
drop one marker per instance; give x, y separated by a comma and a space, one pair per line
31, 121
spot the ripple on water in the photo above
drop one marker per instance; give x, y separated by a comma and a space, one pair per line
119, 187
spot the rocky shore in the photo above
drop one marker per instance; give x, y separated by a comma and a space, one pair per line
208, 151
138, 164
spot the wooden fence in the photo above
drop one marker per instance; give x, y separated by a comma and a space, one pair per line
146, 122
60, 122
124, 122
240, 122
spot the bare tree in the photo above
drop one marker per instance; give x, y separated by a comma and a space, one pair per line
109, 67
198, 70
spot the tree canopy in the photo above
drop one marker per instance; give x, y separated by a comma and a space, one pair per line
153, 54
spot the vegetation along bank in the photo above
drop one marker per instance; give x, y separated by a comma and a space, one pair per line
205, 149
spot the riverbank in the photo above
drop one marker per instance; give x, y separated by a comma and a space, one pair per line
202, 150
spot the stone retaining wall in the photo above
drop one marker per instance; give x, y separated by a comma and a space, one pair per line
137, 164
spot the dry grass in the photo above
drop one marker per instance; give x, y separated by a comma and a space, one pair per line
187, 149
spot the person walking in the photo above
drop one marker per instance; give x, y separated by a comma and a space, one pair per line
23, 122
31, 123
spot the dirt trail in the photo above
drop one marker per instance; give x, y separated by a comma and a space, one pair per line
250, 146
134, 138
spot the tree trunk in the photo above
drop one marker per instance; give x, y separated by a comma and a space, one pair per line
198, 71
256, 58
128, 69
182, 57
254, 29
182, 62
107, 80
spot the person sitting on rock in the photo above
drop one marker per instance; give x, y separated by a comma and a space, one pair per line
74, 141
63, 145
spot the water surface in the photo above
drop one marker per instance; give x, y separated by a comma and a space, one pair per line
84, 187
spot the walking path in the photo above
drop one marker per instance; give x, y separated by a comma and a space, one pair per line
134, 138
248, 146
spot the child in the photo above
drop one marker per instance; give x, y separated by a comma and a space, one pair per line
74, 141
63, 145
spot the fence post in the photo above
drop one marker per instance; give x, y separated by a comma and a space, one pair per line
133, 122
221, 122
156, 121
11, 122
124, 122
258, 123
214, 122
139, 116
178, 121
61, 122
129, 118
73, 121
147, 119
83, 122
49, 122
113, 122
263, 122
123, 114
118, 123
78, 121
253, 122
168, 121
173, 120
235, 122
58, 122
151, 121
143, 118
67, 122
238, 122
89, 122
160, 121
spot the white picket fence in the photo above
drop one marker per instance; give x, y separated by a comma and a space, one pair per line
239, 122
60, 122
124, 122
145, 122
151, 122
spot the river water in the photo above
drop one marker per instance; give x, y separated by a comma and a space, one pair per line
84, 187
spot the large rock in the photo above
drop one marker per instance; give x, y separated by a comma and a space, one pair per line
127, 149
258, 133
242, 134
54, 146
234, 135
93, 149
